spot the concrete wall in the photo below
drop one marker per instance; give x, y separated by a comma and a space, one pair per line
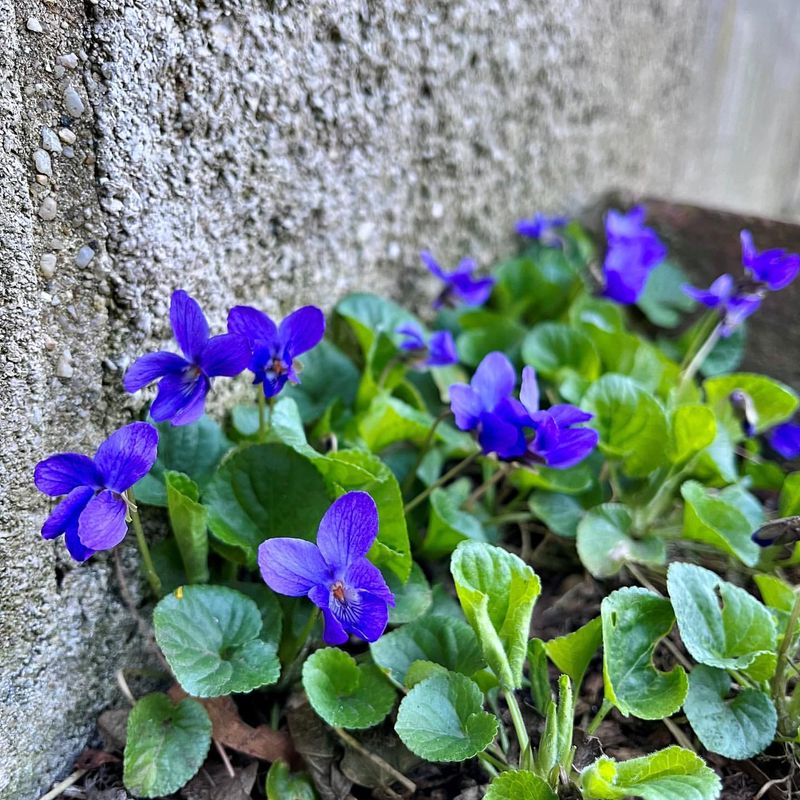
275, 153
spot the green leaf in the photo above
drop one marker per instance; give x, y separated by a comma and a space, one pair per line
663, 301
442, 719
631, 423
210, 635
556, 349
420, 671
285, 785
574, 480
722, 625
346, 694
714, 520
716, 465
693, 427
539, 676
519, 785
412, 598
357, 470
369, 315
560, 512
669, 774
166, 744
789, 501
268, 606
776, 593
497, 591
261, 491
634, 620
739, 728
573, 652
774, 402
441, 640
448, 524
750, 506
485, 331
727, 353
189, 522
388, 420
605, 542
195, 450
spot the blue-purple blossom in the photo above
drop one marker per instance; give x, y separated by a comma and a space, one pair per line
774, 269
785, 440
459, 285
92, 515
734, 304
542, 228
275, 348
335, 573
634, 250
438, 351
184, 381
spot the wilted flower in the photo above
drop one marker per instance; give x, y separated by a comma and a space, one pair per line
773, 269
92, 516
439, 351
785, 440
185, 381
634, 250
733, 304
334, 573
542, 228
274, 348
459, 284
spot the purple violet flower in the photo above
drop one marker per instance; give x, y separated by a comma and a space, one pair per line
735, 305
542, 228
186, 380
774, 269
335, 573
440, 350
92, 515
459, 284
274, 348
784, 439
634, 250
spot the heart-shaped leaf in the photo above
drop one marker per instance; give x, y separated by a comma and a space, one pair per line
572, 652
166, 744
556, 349
412, 598
519, 785
210, 635
442, 719
448, 524
737, 728
189, 522
497, 591
285, 785
560, 512
693, 427
634, 620
346, 694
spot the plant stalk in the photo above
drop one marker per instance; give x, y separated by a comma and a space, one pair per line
699, 357
422, 496
520, 729
144, 549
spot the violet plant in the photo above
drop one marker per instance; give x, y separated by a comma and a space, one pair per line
531, 405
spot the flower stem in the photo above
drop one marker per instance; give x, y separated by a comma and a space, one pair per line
778, 680
462, 465
519, 728
496, 476
700, 356
599, 716
409, 480
144, 550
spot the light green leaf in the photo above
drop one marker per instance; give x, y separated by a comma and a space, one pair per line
412, 598
189, 522
774, 401
210, 635
346, 694
556, 349
422, 670
750, 506
670, 774
721, 625
714, 520
775, 592
693, 427
497, 591
663, 301
605, 542
560, 512
442, 719
448, 524
285, 785
195, 450
631, 423
261, 491
739, 728
388, 420
574, 480
166, 744
716, 465
573, 652
789, 501
539, 676
519, 785
441, 640
634, 620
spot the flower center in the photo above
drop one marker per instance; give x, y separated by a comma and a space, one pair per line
337, 590
278, 367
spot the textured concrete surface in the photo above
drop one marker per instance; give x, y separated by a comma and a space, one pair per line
275, 153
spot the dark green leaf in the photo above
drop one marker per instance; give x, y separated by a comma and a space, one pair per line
560, 512
412, 598
448, 524
555, 349
285, 785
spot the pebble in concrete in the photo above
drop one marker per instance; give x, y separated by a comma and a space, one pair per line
64, 365
34, 25
68, 60
84, 256
67, 136
50, 140
47, 264
48, 208
73, 102
41, 158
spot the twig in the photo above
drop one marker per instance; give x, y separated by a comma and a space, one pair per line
375, 759
680, 737
59, 788
224, 756
124, 688
765, 789
423, 495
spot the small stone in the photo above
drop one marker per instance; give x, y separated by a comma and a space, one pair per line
59, 71
437, 211
73, 102
68, 152
64, 365
84, 256
47, 264
68, 60
50, 140
67, 136
42, 180
41, 158
34, 25
57, 244
48, 208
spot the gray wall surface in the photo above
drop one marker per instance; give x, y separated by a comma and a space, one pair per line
275, 153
